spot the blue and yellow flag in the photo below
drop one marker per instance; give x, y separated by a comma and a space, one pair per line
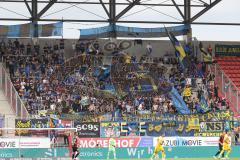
178, 102
203, 104
181, 54
206, 56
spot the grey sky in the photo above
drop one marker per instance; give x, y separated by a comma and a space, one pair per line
225, 11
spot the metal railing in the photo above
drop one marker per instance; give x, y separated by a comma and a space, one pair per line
13, 98
227, 88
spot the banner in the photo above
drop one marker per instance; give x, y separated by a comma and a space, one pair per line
100, 32
109, 129
86, 117
133, 128
26, 30
211, 116
87, 129
65, 123
124, 31
227, 50
120, 142
193, 123
47, 30
39, 123
169, 128
208, 134
188, 141
212, 127
24, 142
19, 123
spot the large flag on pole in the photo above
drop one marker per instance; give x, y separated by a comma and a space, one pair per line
181, 54
205, 55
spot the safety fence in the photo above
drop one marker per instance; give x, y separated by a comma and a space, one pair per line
11, 94
227, 88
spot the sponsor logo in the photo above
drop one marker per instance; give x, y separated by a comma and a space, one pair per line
188, 141
104, 142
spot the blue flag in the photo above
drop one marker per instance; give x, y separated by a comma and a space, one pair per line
203, 104
179, 102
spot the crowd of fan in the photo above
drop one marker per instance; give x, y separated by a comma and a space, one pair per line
46, 81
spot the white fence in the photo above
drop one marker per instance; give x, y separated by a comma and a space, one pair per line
11, 94
227, 88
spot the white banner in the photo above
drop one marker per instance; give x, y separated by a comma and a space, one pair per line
188, 141
33, 142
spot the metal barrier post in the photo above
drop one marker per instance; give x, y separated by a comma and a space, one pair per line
223, 86
237, 103
215, 69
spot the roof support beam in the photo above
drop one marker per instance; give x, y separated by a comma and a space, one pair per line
28, 7
105, 21
44, 10
105, 8
35, 17
205, 10
177, 7
112, 21
105, 3
187, 11
127, 9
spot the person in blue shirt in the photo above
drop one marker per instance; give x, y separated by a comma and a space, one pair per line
27, 70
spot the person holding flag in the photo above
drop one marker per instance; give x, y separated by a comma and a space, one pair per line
180, 52
206, 56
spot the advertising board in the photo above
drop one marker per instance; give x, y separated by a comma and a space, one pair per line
120, 142
24, 142
188, 141
88, 129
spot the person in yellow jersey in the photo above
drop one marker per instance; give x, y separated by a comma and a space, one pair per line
226, 145
159, 148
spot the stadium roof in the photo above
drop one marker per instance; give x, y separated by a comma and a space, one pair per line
93, 13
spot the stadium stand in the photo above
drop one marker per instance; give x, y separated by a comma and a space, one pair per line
120, 95
47, 81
